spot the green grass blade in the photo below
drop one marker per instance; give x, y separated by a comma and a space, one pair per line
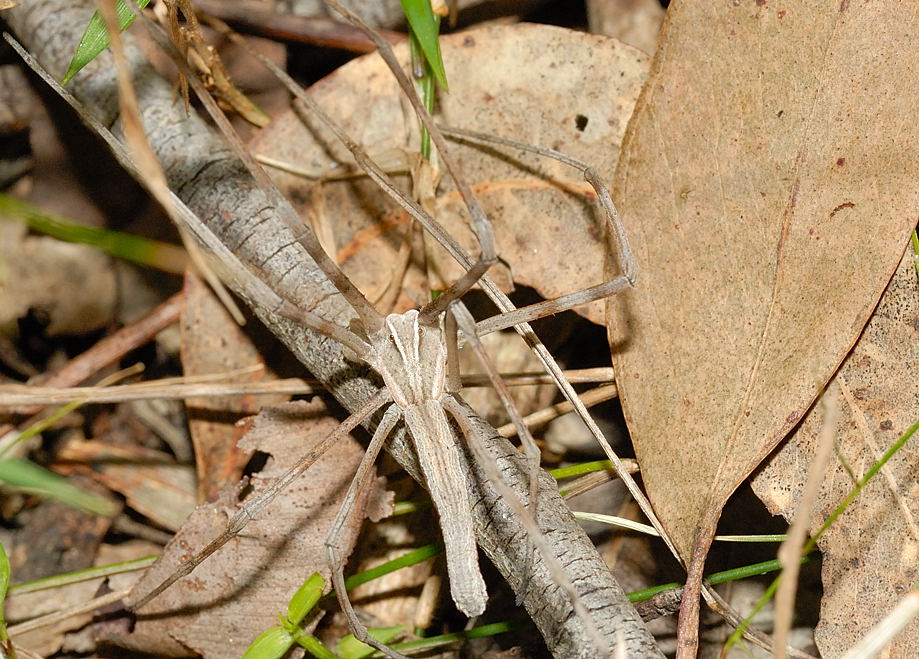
351, 648
81, 576
270, 644
580, 469
143, 251
314, 646
29, 476
433, 642
411, 558
4, 586
425, 25
95, 38
305, 598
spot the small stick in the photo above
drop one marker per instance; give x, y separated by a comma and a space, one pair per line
319, 31
540, 417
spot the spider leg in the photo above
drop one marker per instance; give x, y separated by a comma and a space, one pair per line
332, 543
480, 223
628, 266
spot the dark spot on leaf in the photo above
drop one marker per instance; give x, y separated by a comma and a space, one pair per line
846, 204
580, 122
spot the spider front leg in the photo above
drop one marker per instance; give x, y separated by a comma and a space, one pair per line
628, 266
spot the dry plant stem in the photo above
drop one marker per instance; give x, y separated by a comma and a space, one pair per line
31, 398
885, 631
168, 389
219, 190
255, 18
589, 398
58, 616
731, 616
789, 553
598, 374
590, 481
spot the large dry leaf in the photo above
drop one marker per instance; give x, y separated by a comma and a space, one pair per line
768, 184
869, 554
535, 83
238, 592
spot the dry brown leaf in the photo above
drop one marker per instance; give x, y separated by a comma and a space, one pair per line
870, 553
237, 593
767, 183
150, 480
535, 83
213, 343
38, 273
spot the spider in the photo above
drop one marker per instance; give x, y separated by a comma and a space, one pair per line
409, 351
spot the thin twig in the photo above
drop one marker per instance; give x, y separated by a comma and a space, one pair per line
543, 416
260, 19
